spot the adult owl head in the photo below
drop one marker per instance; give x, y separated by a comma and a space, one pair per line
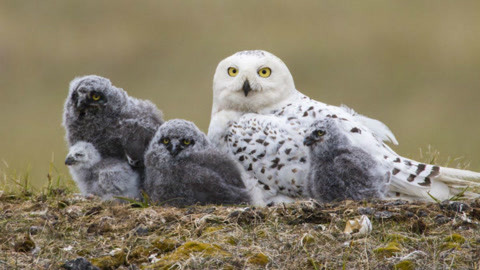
251, 81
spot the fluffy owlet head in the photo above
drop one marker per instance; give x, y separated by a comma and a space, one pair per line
82, 155
92, 94
324, 137
175, 139
249, 81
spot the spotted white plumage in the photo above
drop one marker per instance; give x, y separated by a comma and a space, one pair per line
262, 122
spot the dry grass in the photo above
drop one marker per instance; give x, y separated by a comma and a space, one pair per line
44, 231
44, 228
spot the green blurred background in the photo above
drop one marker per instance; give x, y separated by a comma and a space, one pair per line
415, 65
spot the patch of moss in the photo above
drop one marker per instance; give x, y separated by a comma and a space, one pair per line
165, 245
389, 250
184, 251
209, 230
398, 238
261, 234
232, 241
83, 252
259, 259
456, 238
308, 239
139, 253
453, 241
405, 265
62, 204
110, 261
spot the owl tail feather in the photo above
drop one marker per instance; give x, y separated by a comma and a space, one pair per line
413, 180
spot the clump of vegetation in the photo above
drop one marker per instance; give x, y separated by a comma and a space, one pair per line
55, 227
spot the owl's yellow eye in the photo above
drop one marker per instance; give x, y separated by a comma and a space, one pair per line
232, 71
96, 97
165, 140
320, 133
186, 141
265, 72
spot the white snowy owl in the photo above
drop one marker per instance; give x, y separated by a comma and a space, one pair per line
261, 120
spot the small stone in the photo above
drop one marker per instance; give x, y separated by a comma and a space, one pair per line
366, 210
422, 213
409, 214
141, 230
190, 211
93, 211
26, 244
441, 219
475, 213
34, 230
79, 264
209, 210
396, 202
383, 215
455, 206
418, 227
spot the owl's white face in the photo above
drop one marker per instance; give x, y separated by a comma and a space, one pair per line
250, 81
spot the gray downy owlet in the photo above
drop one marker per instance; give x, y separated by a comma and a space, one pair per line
117, 125
103, 177
340, 170
182, 168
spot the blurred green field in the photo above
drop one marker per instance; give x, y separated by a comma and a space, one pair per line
415, 65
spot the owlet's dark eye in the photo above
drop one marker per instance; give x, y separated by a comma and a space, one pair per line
96, 97
186, 141
319, 133
165, 140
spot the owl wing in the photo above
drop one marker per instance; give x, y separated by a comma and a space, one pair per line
116, 178
220, 163
211, 189
271, 152
137, 134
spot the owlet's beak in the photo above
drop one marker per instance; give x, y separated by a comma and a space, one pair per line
309, 141
174, 149
312, 139
246, 87
70, 161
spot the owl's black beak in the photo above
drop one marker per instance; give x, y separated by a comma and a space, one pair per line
309, 141
312, 139
174, 149
246, 87
81, 104
70, 161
